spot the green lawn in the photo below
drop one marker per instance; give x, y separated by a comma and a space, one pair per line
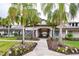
7, 38
72, 43
4, 46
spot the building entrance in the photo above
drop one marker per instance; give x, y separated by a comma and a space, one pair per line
43, 32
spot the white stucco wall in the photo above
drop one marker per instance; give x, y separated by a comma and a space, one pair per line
75, 34
63, 34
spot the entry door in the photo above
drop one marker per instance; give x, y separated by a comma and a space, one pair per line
43, 32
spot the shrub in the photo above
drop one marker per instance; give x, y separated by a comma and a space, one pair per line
61, 49
69, 36
15, 34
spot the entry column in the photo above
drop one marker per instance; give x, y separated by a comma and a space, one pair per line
50, 32
36, 33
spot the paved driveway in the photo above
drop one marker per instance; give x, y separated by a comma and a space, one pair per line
42, 50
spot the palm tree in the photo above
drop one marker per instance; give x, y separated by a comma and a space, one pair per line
12, 13
73, 10
29, 11
50, 22
47, 10
54, 21
56, 18
23, 12
62, 19
24, 22
32, 14
34, 19
8, 23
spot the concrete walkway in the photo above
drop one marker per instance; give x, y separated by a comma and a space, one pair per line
42, 50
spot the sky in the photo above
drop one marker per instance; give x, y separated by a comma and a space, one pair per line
5, 6
4, 9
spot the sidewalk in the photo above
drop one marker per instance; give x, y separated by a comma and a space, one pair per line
42, 50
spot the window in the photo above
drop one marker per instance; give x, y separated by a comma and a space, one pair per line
76, 24
72, 24
28, 32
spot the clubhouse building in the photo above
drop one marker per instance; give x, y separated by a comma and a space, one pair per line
42, 30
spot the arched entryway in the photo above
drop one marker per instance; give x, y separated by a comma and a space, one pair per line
43, 32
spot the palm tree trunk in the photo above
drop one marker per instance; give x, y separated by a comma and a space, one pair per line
33, 31
53, 33
8, 31
60, 36
23, 36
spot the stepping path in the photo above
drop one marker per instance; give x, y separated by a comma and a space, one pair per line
42, 50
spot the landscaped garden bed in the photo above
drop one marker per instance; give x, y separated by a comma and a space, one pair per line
16, 48
69, 47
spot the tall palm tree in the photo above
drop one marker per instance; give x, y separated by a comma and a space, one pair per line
24, 23
34, 19
54, 21
73, 10
47, 10
28, 11
50, 22
12, 13
32, 14
8, 23
23, 12
23, 20
62, 19
57, 17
